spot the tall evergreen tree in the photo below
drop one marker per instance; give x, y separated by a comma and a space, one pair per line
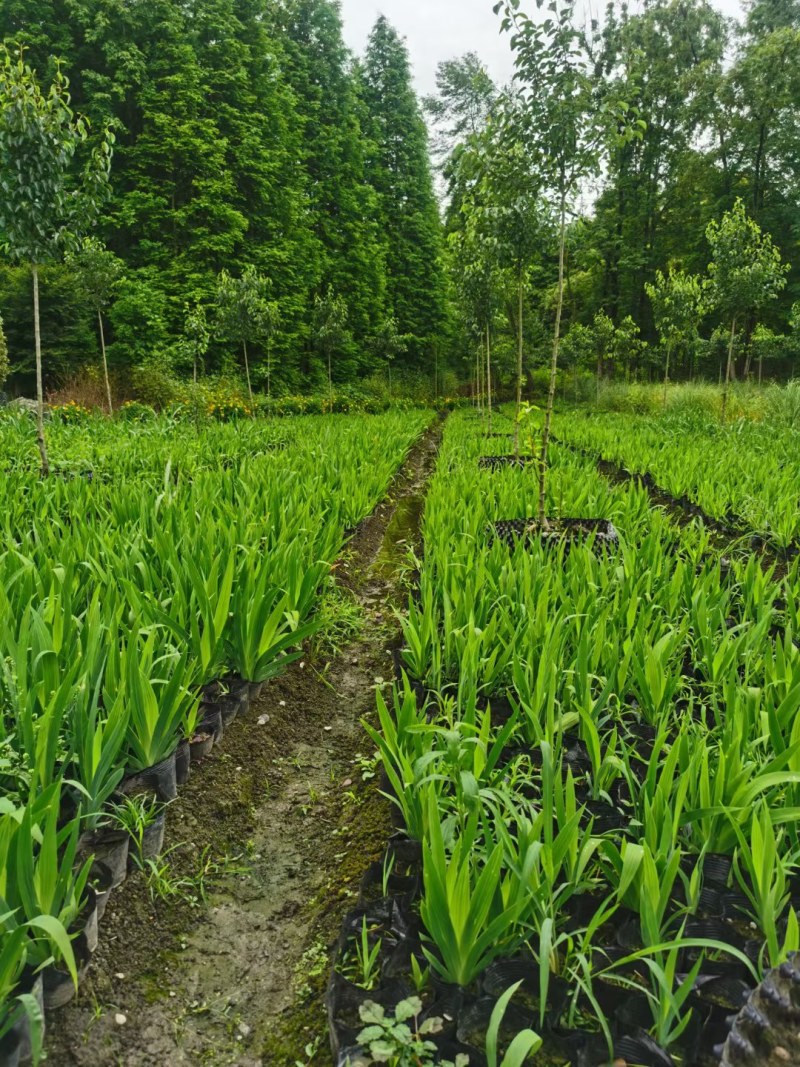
399, 169
343, 208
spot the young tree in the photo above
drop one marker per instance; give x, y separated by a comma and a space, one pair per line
245, 312
745, 270
627, 346
98, 271
330, 329
388, 344
465, 95
602, 336
475, 262
677, 300
197, 336
564, 126
5, 366
46, 202
513, 222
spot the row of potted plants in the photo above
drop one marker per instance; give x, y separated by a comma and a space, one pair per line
594, 760
123, 600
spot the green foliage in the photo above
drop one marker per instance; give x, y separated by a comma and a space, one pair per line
745, 269
45, 206
96, 271
391, 1039
677, 300
399, 171
44, 209
745, 272
246, 314
557, 798
329, 329
101, 669
314, 199
523, 1044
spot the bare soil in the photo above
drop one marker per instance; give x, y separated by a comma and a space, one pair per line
285, 817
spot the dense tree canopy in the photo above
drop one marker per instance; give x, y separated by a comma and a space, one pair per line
247, 138
712, 104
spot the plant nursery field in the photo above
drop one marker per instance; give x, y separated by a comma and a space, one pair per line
398, 778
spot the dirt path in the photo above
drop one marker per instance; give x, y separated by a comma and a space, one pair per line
277, 830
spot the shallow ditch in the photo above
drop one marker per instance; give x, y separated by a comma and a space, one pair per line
276, 831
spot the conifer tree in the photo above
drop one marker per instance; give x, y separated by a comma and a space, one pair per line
343, 207
400, 172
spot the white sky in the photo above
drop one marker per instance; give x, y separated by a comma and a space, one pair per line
443, 29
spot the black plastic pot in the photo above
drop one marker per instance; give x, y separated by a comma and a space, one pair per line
717, 868
16, 1046
503, 973
10, 1049
557, 531
159, 779
200, 746
240, 689
110, 846
343, 1000
102, 881
473, 1021
57, 985
233, 688
88, 920
641, 1049
496, 463
256, 690
153, 837
207, 734
182, 763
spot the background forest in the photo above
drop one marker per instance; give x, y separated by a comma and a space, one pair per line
253, 153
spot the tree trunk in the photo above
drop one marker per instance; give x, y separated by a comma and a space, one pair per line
39, 388
728, 370
489, 377
597, 374
269, 369
330, 381
666, 375
105, 361
551, 392
748, 362
479, 361
247, 372
519, 361
760, 366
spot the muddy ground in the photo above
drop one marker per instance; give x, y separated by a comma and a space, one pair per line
275, 830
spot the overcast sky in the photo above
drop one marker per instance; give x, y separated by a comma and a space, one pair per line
441, 29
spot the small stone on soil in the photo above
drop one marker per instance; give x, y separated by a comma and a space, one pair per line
263, 720
120, 1019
